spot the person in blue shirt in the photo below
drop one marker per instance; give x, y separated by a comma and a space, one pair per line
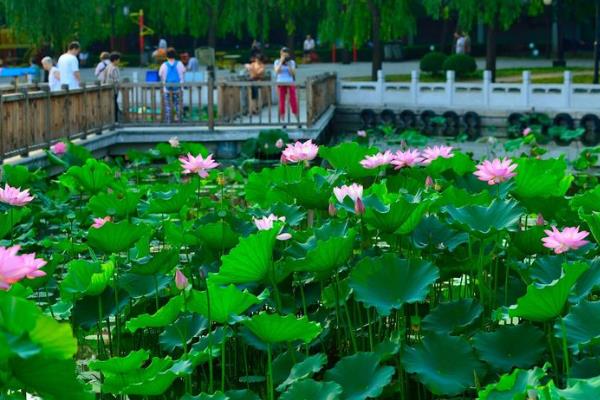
285, 72
171, 74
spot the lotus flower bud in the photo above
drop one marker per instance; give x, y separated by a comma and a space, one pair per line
332, 210
279, 143
180, 280
359, 207
540, 219
429, 183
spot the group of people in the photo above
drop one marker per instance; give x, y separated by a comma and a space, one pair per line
462, 42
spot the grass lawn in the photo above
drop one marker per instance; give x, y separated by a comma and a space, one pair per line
513, 75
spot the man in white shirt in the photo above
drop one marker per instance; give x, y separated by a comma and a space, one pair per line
68, 67
53, 74
460, 42
309, 47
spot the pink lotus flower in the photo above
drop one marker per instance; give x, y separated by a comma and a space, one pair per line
181, 282
526, 131
59, 148
174, 142
266, 223
354, 191
198, 165
14, 196
568, 239
14, 267
540, 220
279, 143
298, 152
359, 207
99, 222
377, 160
408, 158
361, 133
435, 152
495, 171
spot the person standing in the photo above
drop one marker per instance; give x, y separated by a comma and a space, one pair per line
285, 71
171, 74
68, 67
256, 72
112, 76
309, 48
460, 42
53, 74
101, 67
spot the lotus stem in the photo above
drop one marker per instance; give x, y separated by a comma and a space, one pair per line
370, 329
210, 348
223, 363
565, 348
270, 393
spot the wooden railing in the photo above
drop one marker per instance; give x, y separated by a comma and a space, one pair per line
33, 119
320, 95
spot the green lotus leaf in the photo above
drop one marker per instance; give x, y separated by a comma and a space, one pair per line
215, 337
581, 389
582, 325
586, 368
342, 292
529, 241
327, 255
12, 218
274, 328
250, 261
347, 157
283, 364
161, 262
460, 164
313, 390
293, 214
401, 218
180, 235
116, 204
49, 378
360, 376
206, 396
388, 348
225, 302
243, 394
162, 317
182, 331
121, 365
271, 178
217, 235
513, 386
116, 237
85, 278
499, 215
304, 369
171, 202
55, 340
545, 302
541, 178
588, 281
17, 175
387, 282
445, 364
432, 232
312, 191
511, 346
593, 221
453, 316
588, 201
93, 177
458, 197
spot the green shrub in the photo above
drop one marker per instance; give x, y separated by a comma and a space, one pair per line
461, 64
433, 63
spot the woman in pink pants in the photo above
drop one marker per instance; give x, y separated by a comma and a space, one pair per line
285, 70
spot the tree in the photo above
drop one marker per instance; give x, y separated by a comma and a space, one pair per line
496, 14
355, 22
57, 22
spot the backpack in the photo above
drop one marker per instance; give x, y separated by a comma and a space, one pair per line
172, 74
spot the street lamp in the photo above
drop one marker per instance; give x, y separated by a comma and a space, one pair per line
557, 42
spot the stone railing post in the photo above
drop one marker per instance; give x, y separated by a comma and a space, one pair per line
567, 89
487, 88
414, 87
526, 89
450, 80
381, 87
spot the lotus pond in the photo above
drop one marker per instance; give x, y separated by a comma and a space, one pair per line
337, 273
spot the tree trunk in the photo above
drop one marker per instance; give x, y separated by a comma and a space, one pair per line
444, 38
377, 64
289, 40
491, 50
212, 27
